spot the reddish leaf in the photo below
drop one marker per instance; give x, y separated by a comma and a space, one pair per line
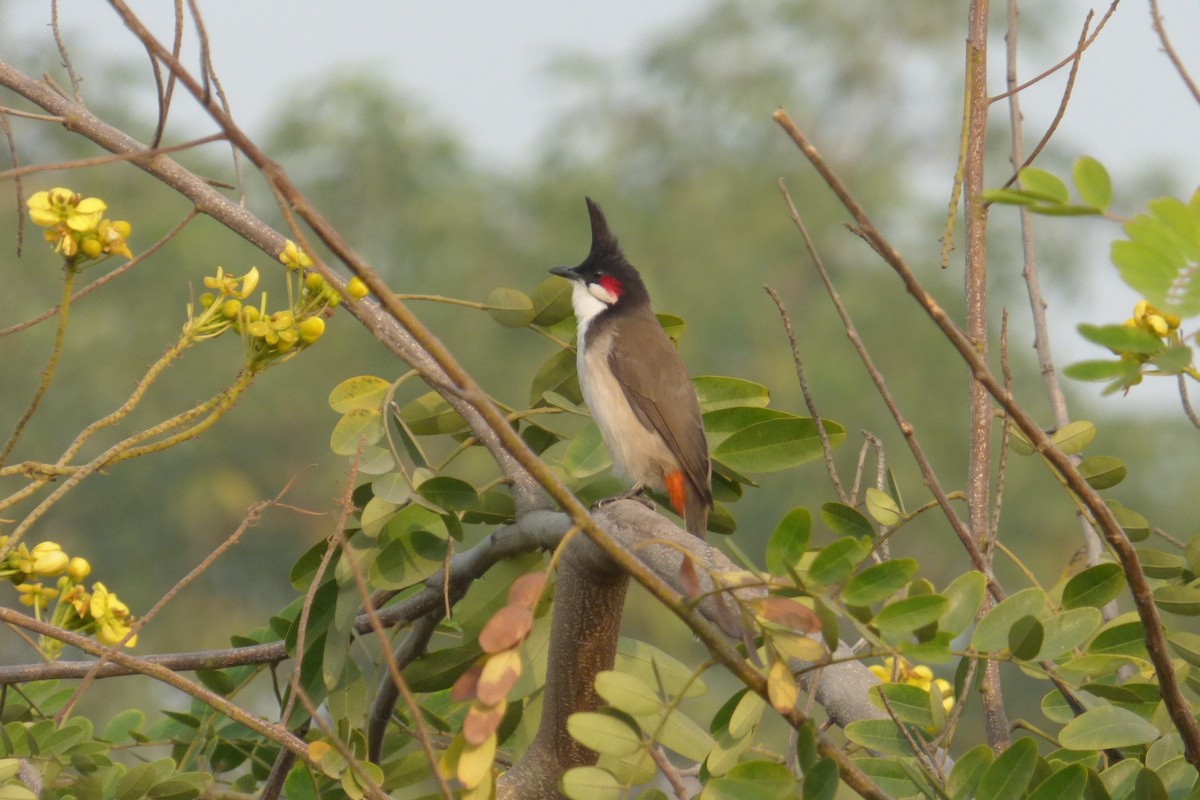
464, 687
482, 721
506, 629
499, 674
788, 613
688, 579
527, 589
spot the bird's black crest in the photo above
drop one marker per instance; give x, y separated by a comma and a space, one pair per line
604, 243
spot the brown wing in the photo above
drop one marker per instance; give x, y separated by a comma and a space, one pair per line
658, 388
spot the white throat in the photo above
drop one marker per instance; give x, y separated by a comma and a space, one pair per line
586, 305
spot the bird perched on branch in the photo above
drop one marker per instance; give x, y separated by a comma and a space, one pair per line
634, 381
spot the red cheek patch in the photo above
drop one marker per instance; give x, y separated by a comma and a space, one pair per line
611, 285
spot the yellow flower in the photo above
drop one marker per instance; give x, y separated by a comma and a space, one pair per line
78, 569
111, 616
48, 559
59, 205
1153, 321
229, 286
356, 289
293, 257
36, 595
311, 329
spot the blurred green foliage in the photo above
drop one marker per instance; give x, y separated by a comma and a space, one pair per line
679, 147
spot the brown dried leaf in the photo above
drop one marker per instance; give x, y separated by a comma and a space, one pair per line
527, 589
788, 613
482, 721
464, 687
689, 581
506, 629
499, 674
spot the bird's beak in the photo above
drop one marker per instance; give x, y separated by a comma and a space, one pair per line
565, 272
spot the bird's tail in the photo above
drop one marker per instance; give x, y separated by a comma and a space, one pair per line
687, 504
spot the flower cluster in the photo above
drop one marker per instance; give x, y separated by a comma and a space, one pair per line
97, 612
1154, 322
920, 676
269, 336
76, 225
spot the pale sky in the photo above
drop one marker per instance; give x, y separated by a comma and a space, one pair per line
479, 66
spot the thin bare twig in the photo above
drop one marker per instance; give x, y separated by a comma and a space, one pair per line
826, 447
1187, 403
62, 52
1157, 22
96, 284
251, 519
1156, 645
906, 427
96, 161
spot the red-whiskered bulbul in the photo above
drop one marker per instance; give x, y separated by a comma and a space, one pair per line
634, 381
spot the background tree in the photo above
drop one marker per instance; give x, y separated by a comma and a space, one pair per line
700, 155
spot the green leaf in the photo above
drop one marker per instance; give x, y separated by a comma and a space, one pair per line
1172, 360
1092, 182
591, 783
964, 594
895, 777
1185, 644
586, 454
510, 307
392, 488
1066, 784
835, 561
557, 374
778, 444
1182, 600
879, 582
746, 715
1025, 638
1094, 587
656, 668
846, 521
968, 772
1068, 630
439, 669
1121, 338
1102, 472
604, 733
450, 494
1104, 727
355, 429
821, 781
1073, 437
1010, 773
992, 632
882, 736
628, 693
1121, 638
1010, 197
361, 393
1160, 564
909, 703
882, 508
551, 301
1134, 524
910, 613
679, 733
1044, 185
430, 415
121, 727
717, 392
1158, 259
410, 557
789, 541
1101, 370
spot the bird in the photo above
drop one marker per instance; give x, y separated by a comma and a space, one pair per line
634, 382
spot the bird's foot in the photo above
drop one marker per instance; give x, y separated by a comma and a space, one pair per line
636, 492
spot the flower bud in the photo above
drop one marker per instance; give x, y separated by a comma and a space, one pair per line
48, 559
356, 289
311, 329
78, 569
